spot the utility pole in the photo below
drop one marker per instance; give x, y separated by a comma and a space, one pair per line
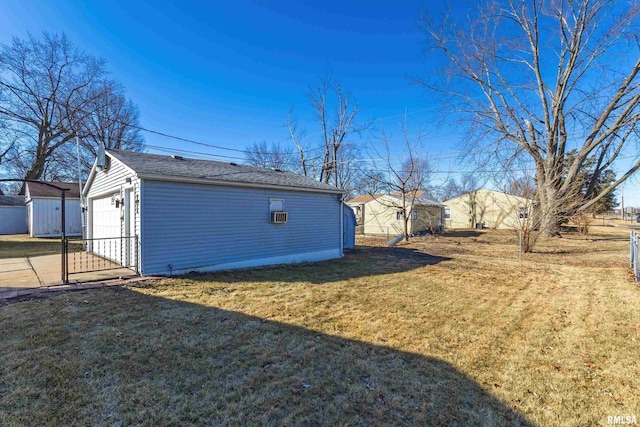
82, 203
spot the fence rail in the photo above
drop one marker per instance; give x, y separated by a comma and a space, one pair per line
634, 249
84, 255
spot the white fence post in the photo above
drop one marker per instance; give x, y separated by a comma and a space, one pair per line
634, 261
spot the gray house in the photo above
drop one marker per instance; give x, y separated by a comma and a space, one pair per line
12, 215
173, 215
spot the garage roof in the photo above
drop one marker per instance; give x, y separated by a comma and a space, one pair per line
37, 189
12, 200
170, 168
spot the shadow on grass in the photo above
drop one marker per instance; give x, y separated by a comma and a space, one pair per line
462, 233
359, 262
120, 357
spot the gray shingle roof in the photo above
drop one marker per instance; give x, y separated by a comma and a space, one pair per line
37, 189
12, 200
168, 167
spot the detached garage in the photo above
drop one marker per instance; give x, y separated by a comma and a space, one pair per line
172, 215
44, 218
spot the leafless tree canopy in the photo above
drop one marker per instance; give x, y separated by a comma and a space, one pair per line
114, 120
454, 188
541, 78
335, 161
49, 93
404, 180
272, 155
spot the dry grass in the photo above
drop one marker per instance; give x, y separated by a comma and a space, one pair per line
447, 330
21, 246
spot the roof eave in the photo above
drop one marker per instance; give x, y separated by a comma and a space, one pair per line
188, 180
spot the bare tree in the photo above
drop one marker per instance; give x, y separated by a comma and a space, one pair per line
349, 166
50, 92
404, 182
113, 120
452, 188
370, 181
296, 137
336, 114
537, 79
271, 155
524, 207
8, 141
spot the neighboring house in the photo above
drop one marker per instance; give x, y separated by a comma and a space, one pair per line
13, 213
382, 213
486, 209
44, 218
174, 215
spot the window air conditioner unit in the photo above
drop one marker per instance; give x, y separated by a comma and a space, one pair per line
279, 217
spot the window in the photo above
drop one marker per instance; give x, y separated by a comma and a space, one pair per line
276, 205
447, 213
523, 212
414, 215
277, 214
399, 216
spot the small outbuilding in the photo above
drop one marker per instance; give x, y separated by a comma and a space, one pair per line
44, 216
171, 215
12, 215
382, 213
485, 208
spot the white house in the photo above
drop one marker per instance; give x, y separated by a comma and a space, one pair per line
173, 215
44, 216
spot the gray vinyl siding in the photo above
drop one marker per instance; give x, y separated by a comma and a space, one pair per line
13, 219
192, 226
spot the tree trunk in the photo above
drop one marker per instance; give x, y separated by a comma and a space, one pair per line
550, 226
406, 227
36, 170
550, 211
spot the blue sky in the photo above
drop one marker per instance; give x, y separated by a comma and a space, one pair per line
227, 73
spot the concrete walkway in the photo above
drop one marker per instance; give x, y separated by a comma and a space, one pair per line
44, 271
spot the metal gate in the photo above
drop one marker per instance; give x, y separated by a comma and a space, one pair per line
84, 255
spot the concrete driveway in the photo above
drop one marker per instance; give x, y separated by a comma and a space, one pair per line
41, 271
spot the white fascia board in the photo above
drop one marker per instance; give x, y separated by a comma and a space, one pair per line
87, 185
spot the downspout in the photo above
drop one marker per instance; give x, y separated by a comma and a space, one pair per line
140, 247
341, 199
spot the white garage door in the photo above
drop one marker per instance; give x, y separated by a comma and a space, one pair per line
105, 228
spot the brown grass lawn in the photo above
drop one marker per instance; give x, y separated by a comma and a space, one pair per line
21, 246
450, 330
